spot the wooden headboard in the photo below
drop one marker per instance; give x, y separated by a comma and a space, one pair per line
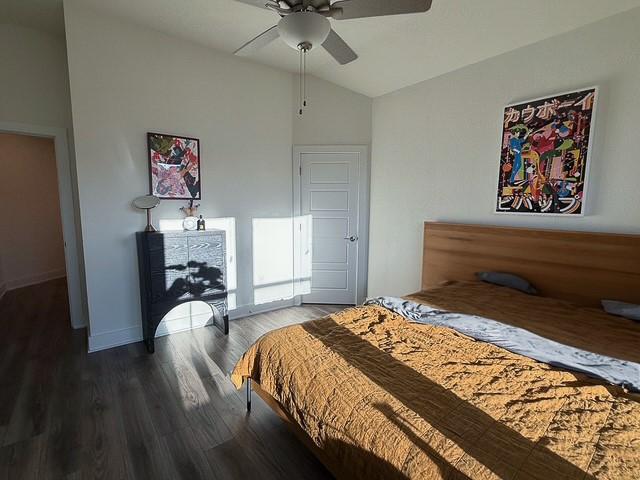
580, 267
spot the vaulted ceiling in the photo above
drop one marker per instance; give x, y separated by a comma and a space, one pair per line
394, 51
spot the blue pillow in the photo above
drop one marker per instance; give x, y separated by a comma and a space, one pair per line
507, 280
622, 309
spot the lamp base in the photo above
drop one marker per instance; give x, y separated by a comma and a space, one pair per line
150, 227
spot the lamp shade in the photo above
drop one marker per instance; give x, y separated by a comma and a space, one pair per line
304, 27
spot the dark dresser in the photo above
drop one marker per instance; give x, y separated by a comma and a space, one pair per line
180, 267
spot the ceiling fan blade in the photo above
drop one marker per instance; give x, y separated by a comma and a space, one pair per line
346, 9
255, 3
283, 4
258, 42
338, 48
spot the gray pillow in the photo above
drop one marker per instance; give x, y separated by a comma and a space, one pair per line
628, 310
507, 280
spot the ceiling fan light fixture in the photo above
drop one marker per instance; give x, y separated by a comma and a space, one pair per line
307, 28
304, 25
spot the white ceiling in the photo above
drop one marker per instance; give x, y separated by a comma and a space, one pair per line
394, 51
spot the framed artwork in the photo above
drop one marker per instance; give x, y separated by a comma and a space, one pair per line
174, 166
544, 156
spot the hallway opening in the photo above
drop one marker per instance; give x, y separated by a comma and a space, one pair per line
31, 244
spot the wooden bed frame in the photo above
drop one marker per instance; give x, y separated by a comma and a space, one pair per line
580, 267
583, 268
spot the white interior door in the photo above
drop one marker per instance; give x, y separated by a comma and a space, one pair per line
330, 199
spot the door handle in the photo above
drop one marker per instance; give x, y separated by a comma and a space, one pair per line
352, 238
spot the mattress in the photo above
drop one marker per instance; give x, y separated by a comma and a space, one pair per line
383, 397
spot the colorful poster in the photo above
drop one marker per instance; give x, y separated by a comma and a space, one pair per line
545, 154
174, 166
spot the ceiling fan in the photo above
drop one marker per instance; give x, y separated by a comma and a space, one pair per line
304, 24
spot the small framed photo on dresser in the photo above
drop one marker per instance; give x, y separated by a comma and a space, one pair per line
174, 166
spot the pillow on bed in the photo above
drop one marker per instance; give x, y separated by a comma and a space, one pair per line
507, 280
628, 310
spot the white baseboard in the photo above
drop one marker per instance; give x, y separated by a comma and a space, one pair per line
124, 336
115, 338
248, 310
35, 279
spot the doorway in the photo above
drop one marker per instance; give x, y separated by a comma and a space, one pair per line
39, 234
331, 196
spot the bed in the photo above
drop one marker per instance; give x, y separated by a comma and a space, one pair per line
374, 395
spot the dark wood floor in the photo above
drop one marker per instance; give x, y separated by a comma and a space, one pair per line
124, 414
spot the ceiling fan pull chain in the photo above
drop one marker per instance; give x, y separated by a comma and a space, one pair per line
300, 94
304, 79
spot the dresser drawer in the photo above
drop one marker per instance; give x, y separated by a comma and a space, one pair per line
168, 252
207, 249
157, 242
179, 267
170, 285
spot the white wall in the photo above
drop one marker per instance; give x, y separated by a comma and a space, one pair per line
436, 144
34, 91
31, 243
127, 80
334, 115
34, 83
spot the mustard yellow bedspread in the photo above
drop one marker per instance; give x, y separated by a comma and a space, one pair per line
387, 398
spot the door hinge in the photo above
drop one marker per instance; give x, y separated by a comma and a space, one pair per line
300, 170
